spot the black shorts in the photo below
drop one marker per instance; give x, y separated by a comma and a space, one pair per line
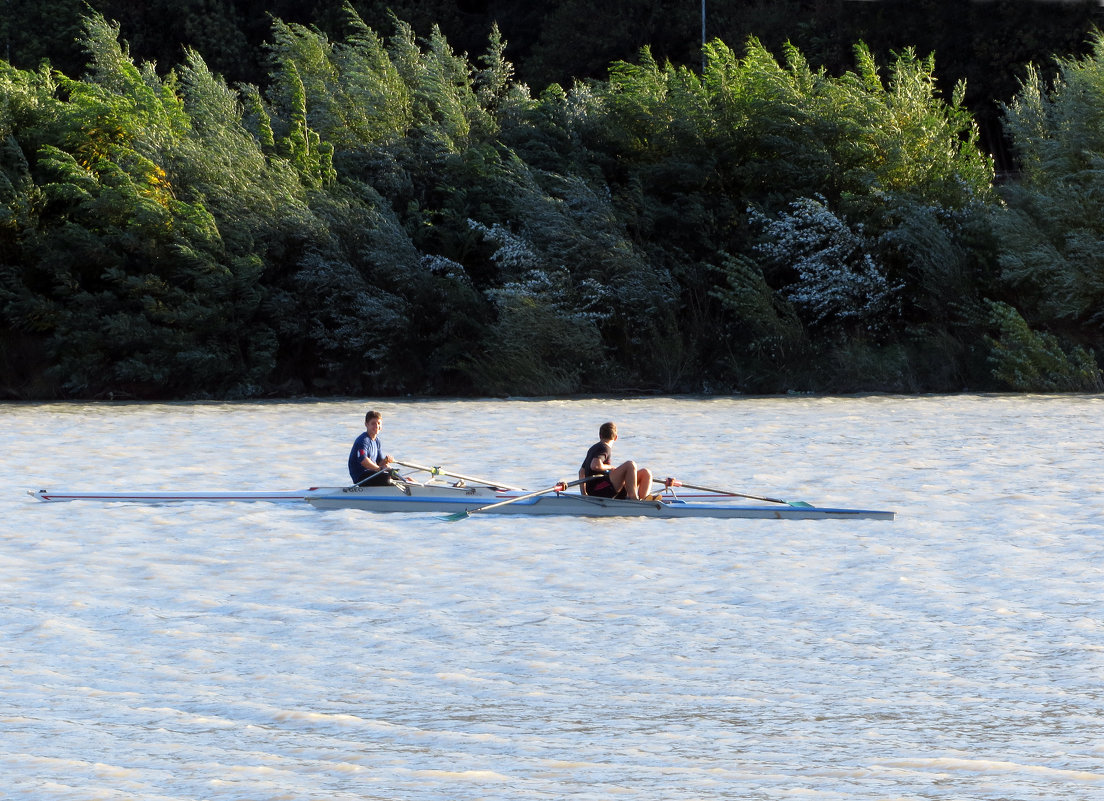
603, 488
381, 480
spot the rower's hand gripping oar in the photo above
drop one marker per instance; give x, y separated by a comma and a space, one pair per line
674, 482
558, 487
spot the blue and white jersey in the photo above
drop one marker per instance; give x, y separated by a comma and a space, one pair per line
364, 446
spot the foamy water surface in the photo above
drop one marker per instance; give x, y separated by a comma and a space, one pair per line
262, 651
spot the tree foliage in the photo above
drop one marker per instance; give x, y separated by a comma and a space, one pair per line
1051, 227
1031, 361
384, 214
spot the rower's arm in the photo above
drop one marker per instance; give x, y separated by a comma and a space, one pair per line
370, 465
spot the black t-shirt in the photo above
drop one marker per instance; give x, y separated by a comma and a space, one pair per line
597, 449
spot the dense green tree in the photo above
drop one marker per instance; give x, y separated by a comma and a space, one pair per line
123, 278
1032, 361
985, 43
685, 155
384, 214
1051, 230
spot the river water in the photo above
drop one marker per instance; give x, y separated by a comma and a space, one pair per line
262, 651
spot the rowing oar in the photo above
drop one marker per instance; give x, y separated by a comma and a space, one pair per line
558, 487
437, 471
674, 482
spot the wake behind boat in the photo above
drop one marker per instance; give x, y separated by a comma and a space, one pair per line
487, 497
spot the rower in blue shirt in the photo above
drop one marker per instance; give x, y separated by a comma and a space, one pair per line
368, 466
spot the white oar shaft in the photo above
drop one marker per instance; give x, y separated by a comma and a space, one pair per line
437, 471
559, 487
674, 482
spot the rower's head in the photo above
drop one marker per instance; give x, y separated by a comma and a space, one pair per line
373, 421
607, 432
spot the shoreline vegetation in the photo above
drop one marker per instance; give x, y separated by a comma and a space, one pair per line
383, 216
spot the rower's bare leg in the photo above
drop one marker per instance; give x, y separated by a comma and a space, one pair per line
643, 482
624, 477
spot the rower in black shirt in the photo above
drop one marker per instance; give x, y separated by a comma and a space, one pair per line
624, 481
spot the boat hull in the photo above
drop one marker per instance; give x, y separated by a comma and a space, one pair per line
421, 492
583, 506
443, 499
56, 496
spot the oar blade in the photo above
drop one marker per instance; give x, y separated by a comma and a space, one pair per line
464, 515
801, 504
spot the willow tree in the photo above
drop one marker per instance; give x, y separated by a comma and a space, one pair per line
693, 162
1051, 229
124, 281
